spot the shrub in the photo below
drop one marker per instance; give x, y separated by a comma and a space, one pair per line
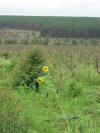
5, 54
74, 42
45, 41
36, 41
81, 41
24, 42
28, 68
0, 41
10, 41
94, 42
57, 43
4, 67
73, 89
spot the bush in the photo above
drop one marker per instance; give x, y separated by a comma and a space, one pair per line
0, 41
28, 68
5, 67
10, 41
94, 42
36, 41
5, 54
74, 42
25, 42
45, 41
57, 43
73, 88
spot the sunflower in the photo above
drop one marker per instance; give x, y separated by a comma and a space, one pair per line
40, 80
45, 68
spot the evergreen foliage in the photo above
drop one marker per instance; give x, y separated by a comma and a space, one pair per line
28, 68
76, 27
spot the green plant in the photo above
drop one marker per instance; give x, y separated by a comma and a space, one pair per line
24, 42
74, 42
4, 54
0, 41
28, 68
45, 41
10, 41
9, 113
73, 88
5, 67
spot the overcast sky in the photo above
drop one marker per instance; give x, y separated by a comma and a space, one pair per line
50, 7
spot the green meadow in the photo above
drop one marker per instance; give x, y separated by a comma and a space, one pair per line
65, 100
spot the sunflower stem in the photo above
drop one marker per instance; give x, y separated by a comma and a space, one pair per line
37, 87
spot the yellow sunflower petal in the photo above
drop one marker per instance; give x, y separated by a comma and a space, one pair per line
45, 68
40, 80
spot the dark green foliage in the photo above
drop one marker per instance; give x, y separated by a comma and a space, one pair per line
76, 27
57, 43
45, 41
94, 42
24, 42
81, 41
28, 68
73, 91
4, 54
10, 41
13, 63
36, 41
74, 42
0, 41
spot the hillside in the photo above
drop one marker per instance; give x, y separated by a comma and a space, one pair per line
74, 27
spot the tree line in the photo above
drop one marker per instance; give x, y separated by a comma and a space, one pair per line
74, 27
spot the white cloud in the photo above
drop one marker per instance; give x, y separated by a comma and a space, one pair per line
50, 7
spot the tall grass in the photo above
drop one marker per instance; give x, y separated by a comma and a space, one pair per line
68, 100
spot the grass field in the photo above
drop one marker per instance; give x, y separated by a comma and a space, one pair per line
68, 100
